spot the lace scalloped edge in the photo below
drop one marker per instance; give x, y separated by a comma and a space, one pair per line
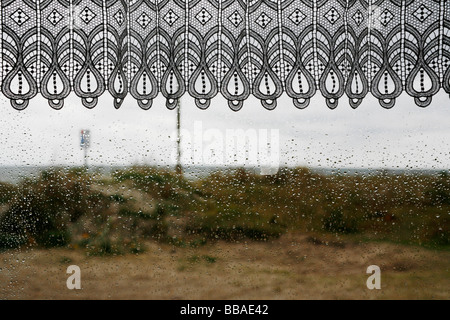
230, 47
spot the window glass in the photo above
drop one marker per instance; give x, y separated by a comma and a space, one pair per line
286, 204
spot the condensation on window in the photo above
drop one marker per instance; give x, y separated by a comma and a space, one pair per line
193, 204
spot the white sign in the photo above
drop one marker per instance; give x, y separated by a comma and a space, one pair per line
85, 138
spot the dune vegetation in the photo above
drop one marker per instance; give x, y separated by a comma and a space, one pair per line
117, 214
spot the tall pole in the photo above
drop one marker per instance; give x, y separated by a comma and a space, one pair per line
178, 168
85, 144
85, 157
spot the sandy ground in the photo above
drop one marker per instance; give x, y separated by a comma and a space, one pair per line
293, 267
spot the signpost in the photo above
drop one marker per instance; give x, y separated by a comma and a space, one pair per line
85, 143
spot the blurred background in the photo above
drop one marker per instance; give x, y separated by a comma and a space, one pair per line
353, 188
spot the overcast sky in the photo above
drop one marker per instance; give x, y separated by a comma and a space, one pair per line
370, 137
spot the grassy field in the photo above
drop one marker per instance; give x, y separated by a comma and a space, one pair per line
291, 267
145, 232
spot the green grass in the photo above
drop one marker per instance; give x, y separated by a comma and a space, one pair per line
60, 206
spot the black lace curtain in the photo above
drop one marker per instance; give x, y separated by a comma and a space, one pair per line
236, 48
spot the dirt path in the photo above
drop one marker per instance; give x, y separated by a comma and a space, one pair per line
293, 267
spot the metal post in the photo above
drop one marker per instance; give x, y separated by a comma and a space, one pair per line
85, 144
85, 157
178, 168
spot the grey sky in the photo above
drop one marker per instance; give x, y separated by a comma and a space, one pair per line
369, 137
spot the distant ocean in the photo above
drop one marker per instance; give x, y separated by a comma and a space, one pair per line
13, 174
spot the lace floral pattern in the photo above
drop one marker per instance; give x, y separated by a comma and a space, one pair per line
236, 48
